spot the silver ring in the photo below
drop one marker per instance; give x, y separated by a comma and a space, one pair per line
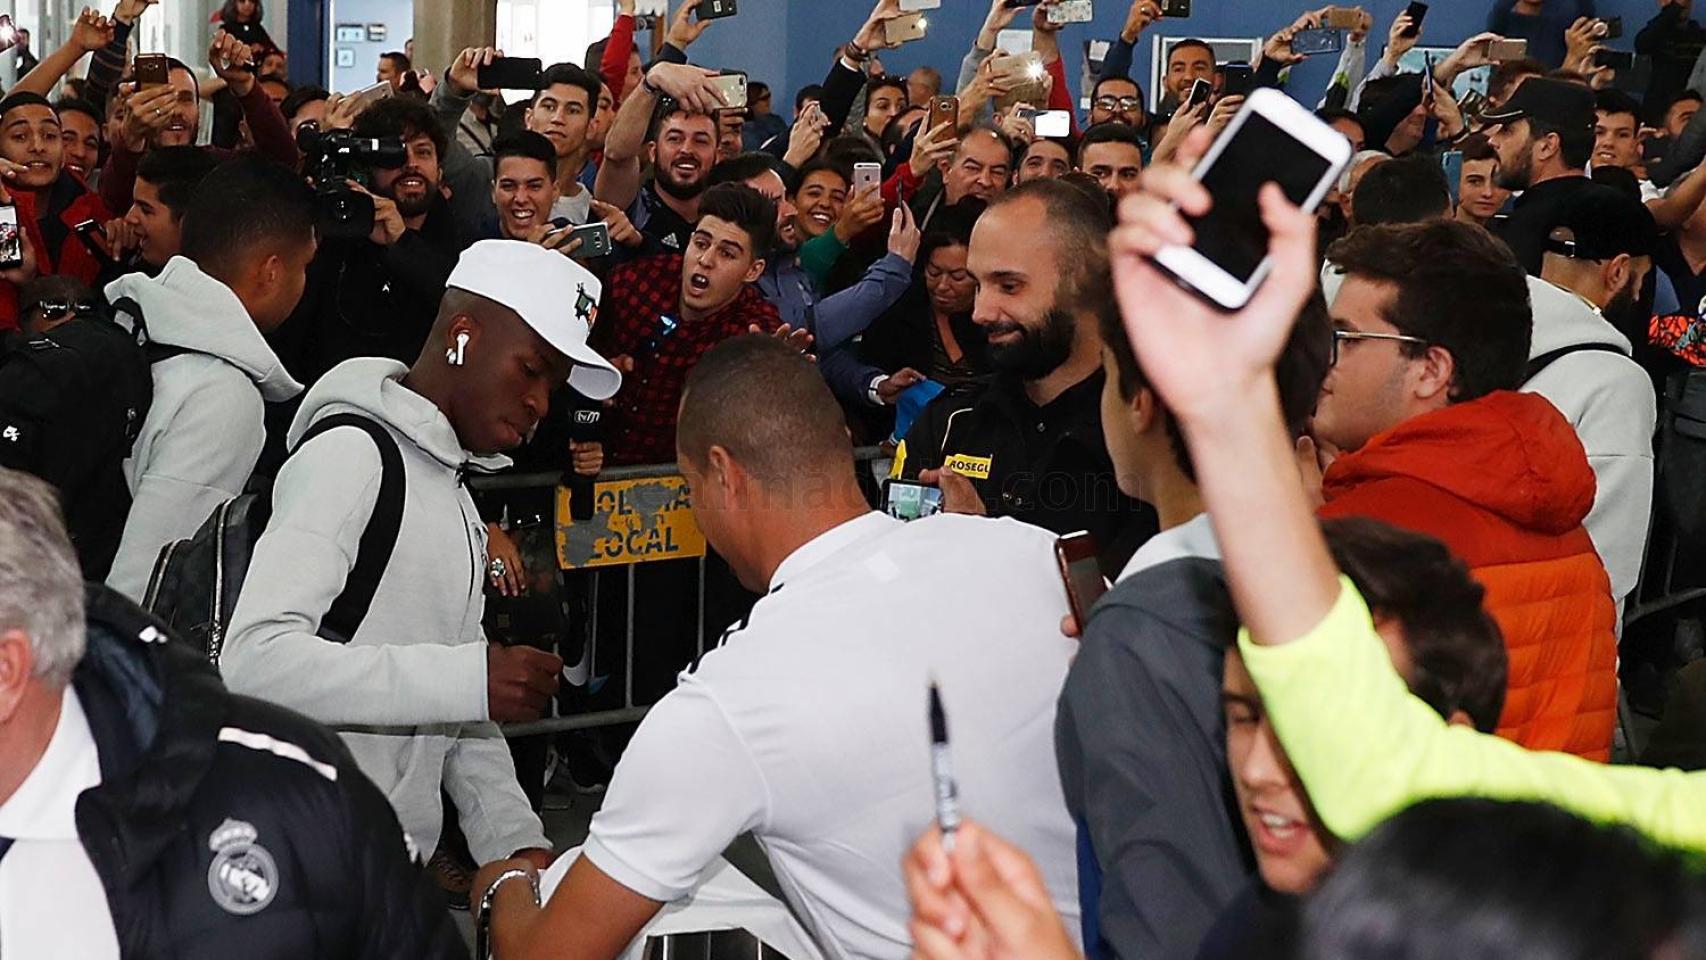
498, 568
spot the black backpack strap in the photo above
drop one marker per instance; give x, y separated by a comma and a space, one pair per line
374, 553
154, 352
1547, 359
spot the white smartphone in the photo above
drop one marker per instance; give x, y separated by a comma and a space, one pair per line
372, 95
867, 175
906, 28
1272, 139
1053, 123
911, 6
1071, 11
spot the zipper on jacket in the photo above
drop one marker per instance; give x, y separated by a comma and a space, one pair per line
216, 618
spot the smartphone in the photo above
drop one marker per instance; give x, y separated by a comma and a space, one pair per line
1052, 123
1271, 139
732, 84
1613, 28
1072, 11
714, 9
594, 238
905, 28
910, 6
1176, 8
1308, 43
1417, 12
1343, 18
1015, 4
1502, 51
1201, 90
11, 243
1238, 80
1451, 164
151, 70
867, 175
1615, 59
943, 110
93, 236
1428, 81
372, 95
907, 500
511, 73
1081, 573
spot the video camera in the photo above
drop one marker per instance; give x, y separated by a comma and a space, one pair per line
334, 157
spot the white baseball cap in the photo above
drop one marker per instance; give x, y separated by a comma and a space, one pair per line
556, 296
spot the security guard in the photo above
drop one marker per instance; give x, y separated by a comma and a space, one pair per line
1028, 441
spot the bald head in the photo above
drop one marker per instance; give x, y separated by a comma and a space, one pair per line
768, 407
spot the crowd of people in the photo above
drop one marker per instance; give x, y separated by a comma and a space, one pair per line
1376, 545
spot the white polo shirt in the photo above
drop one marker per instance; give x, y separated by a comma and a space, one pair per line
809, 726
51, 900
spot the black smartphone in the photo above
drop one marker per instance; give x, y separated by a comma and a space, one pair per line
1615, 59
910, 500
1200, 91
1417, 12
1022, 3
152, 70
1613, 28
714, 9
1238, 82
1081, 573
1175, 8
93, 236
1308, 43
511, 73
11, 241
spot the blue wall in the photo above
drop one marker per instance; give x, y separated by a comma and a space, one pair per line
789, 43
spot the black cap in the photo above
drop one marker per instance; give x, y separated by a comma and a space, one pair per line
1556, 103
1603, 222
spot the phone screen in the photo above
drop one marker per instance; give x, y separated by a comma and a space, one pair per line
905, 500
1054, 123
1232, 235
1082, 573
11, 244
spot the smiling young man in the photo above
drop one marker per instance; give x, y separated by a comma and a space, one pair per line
525, 186
661, 313
165, 183
1045, 159
681, 147
51, 199
1113, 154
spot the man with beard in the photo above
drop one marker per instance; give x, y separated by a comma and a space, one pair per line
680, 151
376, 296
170, 116
51, 201
1544, 138
1028, 443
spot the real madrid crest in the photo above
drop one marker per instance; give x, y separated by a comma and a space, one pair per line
243, 877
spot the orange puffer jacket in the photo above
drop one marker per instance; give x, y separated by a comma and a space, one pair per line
1504, 482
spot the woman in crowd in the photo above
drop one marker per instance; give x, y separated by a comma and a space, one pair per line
930, 329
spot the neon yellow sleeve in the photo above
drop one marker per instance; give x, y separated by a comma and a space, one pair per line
1365, 748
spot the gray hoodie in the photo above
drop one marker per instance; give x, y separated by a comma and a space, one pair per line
205, 426
408, 692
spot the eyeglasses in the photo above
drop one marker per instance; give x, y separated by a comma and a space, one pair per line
1117, 104
1343, 336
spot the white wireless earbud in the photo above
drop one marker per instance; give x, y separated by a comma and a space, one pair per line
456, 356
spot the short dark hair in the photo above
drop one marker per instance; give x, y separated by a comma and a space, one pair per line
747, 209
1330, 114
176, 173
1079, 228
25, 98
1111, 131
405, 118
1477, 147
885, 81
950, 227
301, 97
399, 60
65, 105
1096, 91
525, 143
1685, 94
757, 90
1613, 100
1299, 371
822, 165
741, 168
1187, 44
1459, 288
1506, 74
570, 75
768, 406
1575, 145
850, 150
811, 91
1402, 190
1477, 877
1456, 650
57, 288
244, 206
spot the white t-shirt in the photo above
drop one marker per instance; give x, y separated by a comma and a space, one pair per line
809, 726
578, 208
52, 903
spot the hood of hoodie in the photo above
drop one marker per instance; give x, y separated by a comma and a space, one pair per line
1512, 454
184, 307
374, 386
1563, 319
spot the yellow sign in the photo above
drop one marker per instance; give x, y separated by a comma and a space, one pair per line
973, 468
633, 521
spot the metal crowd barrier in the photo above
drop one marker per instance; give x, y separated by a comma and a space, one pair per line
612, 485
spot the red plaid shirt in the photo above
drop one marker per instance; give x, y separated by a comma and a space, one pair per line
637, 297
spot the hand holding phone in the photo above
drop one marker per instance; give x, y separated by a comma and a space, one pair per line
511, 73
151, 70
909, 500
1081, 573
1417, 12
594, 238
11, 239
943, 110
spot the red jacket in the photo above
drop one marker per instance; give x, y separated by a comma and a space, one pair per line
1504, 482
69, 257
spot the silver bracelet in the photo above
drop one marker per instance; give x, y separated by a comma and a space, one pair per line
483, 918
